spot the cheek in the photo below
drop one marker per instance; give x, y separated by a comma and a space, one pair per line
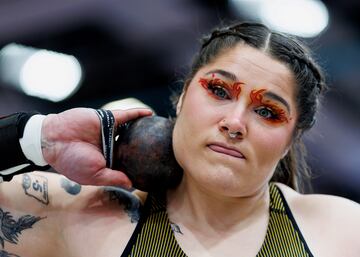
194, 121
196, 112
178, 143
271, 145
185, 130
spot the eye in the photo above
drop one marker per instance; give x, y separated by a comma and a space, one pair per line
266, 113
219, 91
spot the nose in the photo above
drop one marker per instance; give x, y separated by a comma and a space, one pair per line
234, 125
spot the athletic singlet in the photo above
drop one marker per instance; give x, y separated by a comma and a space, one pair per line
154, 237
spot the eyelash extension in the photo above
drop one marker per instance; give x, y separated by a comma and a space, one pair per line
278, 114
216, 83
213, 85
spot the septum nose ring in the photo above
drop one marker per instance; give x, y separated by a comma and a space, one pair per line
233, 134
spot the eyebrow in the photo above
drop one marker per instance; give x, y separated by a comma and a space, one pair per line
224, 73
277, 98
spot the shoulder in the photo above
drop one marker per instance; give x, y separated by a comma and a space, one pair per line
28, 202
42, 191
331, 220
321, 203
54, 205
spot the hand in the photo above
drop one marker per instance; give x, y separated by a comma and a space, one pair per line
71, 144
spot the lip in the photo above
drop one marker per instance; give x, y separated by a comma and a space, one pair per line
226, 149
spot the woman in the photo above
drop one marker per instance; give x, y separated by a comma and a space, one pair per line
249, 98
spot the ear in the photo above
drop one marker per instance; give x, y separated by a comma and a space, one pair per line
180, 102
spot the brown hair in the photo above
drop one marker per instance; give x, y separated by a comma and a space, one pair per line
292, 170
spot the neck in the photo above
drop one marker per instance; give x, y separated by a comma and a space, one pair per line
197, 207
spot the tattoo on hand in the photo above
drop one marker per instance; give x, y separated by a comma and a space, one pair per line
69, 186
132, 205
11, 229
36, 186
6, 254
175, 228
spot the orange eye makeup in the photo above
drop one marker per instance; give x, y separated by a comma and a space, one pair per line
267, 104
219, 89
272, 112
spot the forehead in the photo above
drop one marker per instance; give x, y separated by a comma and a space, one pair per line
255, 68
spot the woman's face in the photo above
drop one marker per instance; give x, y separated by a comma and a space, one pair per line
245, 91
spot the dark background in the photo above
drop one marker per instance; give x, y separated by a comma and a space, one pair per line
142, 49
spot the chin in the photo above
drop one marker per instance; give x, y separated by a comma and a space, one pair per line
226, 184
218, 181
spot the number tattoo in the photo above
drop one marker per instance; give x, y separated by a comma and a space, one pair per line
36, 186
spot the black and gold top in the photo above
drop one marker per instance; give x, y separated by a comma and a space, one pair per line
154, 237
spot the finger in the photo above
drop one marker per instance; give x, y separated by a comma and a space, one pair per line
122, 116
109, 177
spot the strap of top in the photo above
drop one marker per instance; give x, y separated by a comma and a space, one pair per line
283, 236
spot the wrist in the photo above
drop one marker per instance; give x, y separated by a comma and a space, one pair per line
48, 137
31, 140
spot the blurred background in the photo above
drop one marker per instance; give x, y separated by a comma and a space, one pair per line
59, 54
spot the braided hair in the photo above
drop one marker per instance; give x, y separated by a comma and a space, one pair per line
292, 170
